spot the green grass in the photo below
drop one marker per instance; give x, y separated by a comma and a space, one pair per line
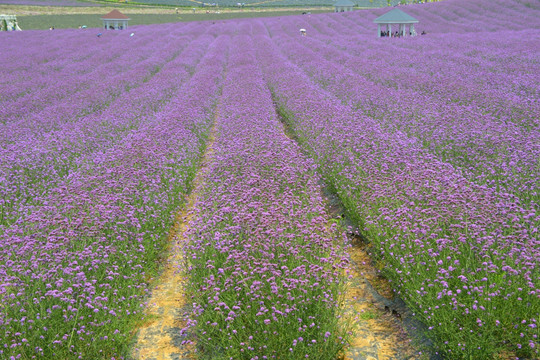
44, 22
368, 315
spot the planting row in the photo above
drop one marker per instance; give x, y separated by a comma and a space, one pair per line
460, 16
33, 166
460, 255
265, 264
55, 65
57, 82
498, 151
87, 86
74, 272
497, 81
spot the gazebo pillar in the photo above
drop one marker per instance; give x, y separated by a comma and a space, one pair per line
404, 23
115, 20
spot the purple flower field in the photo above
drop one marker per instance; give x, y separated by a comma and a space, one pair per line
265, 271
431, 143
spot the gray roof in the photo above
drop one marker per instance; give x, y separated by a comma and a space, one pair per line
344, 3
395, 16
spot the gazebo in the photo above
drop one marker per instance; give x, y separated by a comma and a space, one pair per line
115, 20
9, 23
397, 17
343, 6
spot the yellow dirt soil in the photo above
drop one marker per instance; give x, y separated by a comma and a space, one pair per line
165, 307
159, 338
380, 334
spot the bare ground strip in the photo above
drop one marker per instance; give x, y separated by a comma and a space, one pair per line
382, 322
379, 318
160, 338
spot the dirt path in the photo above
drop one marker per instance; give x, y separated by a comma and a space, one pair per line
380, 330
380, 327
160, 337
381, 333
382, 320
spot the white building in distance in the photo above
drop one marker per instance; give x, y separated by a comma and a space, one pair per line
343, 6
9, 23
396, 17
115, 20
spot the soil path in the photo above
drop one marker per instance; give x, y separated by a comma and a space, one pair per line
380, 327
160, 337
381, 331
382, 321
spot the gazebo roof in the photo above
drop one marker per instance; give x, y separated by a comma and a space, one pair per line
395, 16
344, 3
115, 15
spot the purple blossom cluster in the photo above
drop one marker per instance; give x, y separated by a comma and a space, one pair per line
265, 263
68, 70
494, 141
461, 251
75, 264
46, 146
431, 143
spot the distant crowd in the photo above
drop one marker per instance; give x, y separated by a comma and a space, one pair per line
398, 34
